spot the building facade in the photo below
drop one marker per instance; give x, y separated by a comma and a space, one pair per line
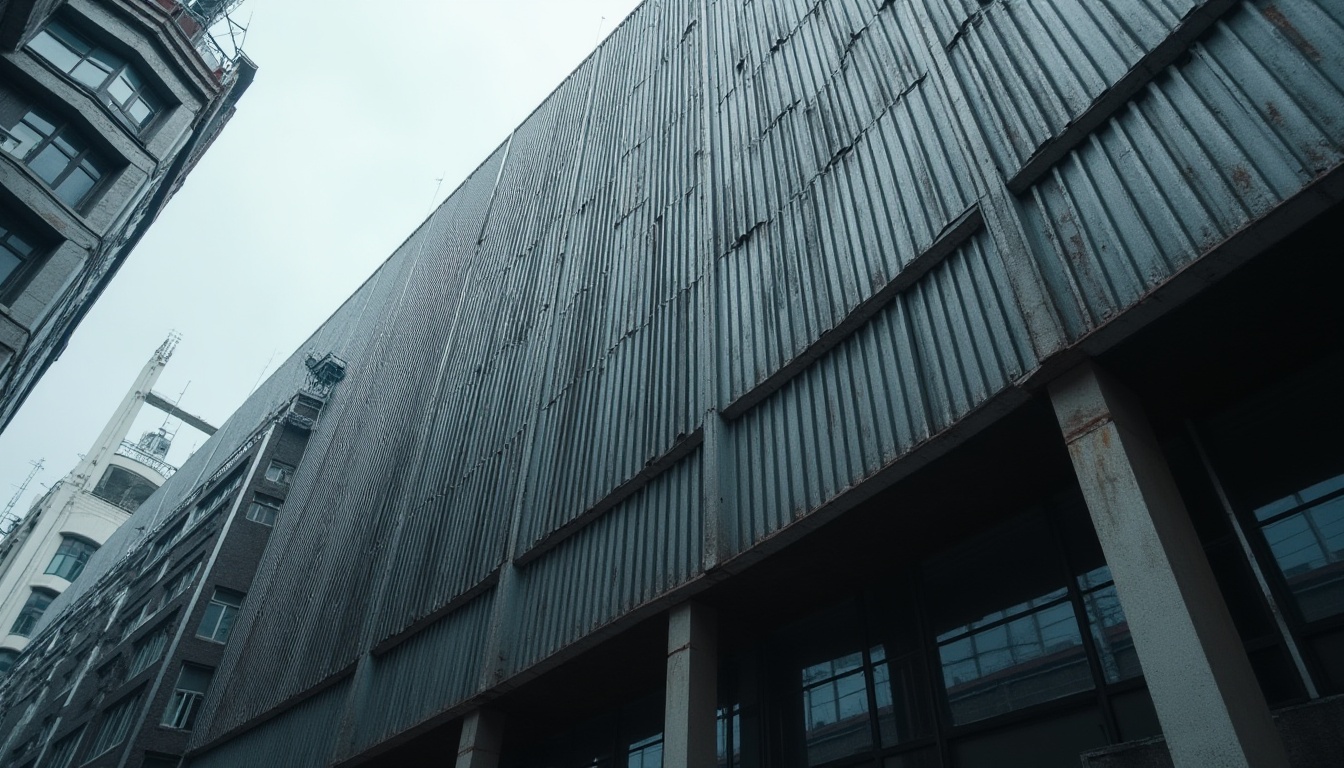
105, 106
833, 383
119, 677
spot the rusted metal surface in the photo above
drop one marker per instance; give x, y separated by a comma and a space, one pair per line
1254, 115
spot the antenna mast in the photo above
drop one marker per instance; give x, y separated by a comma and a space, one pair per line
7, 517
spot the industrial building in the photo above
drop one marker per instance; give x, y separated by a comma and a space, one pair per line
821, 383
105, 107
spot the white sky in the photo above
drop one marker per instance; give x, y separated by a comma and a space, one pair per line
331, 161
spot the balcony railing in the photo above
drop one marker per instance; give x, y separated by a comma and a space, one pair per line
132, 451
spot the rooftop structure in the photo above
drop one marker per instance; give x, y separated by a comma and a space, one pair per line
827, 383
105, 107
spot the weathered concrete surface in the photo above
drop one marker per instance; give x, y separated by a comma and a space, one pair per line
692, 680
482, 738
1204, 690
1312, 733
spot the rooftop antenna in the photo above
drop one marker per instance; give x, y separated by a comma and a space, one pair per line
7, 517
167, 416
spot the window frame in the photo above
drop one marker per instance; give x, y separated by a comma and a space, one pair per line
270, 504
64, 137
284, 473
123, 71
226, 610
27, 614
12, 229
123, 711
64, 557
185, 703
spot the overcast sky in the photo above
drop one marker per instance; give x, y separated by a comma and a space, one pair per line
332, 159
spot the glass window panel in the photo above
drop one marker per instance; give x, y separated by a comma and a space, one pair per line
1032, 659
49, 164
69, 38
8, 263
902, 711
1309, 550
1308, 494
1110, 633
120, 89
140, 111
90, 73
24, 138
76, 186
54, 51
837, 718
39, 123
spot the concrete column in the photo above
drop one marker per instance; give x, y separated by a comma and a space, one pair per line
1208, 701
482, 738
689, 739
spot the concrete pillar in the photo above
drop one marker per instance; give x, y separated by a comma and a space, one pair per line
482, 738
689, 737
1212, 711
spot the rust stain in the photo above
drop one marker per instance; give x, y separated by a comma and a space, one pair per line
1242, 178
1274, 116
1276, 17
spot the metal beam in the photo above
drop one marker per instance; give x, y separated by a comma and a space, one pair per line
195, 422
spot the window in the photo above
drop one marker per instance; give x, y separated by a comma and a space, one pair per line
70, 558
55, 151
149, 649
263, 509
167, 539
279, 472
146, 611
31, 612
1305, 534
179, 583
116, 724
63, 752
115, 82
217, 498
7, 658
124, 488
186, 701
219, 615
17, 245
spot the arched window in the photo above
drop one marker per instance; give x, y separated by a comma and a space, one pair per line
124, 488
32, 611
71, 557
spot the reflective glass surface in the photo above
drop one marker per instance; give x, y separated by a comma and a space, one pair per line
1022, 662
835, 707
1309, 550
1110, 633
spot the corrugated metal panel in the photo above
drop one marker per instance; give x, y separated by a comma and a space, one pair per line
301, 737
940, 349
344, 505
1031, 68
418, 678
638, 551
1254, 115
619, 389
841, 169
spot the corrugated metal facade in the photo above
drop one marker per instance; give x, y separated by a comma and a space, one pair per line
768, 247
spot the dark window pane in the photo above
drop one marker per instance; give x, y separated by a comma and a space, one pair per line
1309, 549
901, 693
1027, 661
1055, 743
921, 758
1329, 651
1110, 632
8, 263
69, 38
1277, 674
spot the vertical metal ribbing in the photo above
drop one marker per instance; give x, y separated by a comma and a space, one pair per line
503, 626
359, 686
997, 204
195, 600
718, 513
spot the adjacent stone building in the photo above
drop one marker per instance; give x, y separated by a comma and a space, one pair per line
105, 106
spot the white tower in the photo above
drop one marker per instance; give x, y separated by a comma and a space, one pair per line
47, 549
